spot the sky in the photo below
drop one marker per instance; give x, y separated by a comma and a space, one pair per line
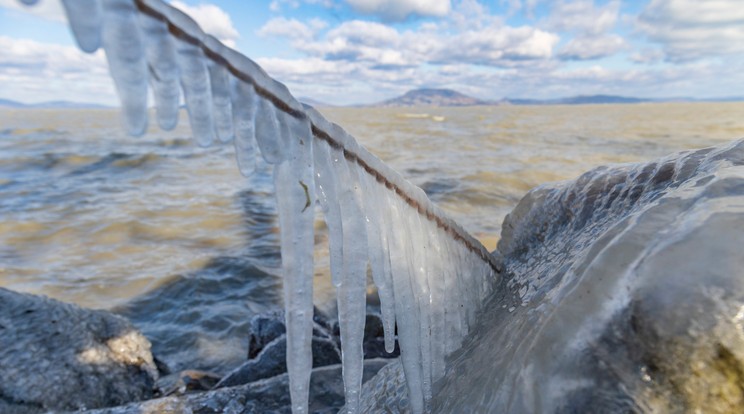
364, 51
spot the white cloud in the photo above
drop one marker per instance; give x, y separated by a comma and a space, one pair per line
276, 5
692, 29
647, 56
291, 28
398, 10
383, 47
48, 10
583, 16
33, 71
592, 47
212, 19
498, 46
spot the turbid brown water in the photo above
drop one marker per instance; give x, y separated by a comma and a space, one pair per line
91, 216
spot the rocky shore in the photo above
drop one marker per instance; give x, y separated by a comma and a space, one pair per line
624, 292
59, 357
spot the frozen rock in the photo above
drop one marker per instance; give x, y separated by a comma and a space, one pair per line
628, 293
624, 292
57, 356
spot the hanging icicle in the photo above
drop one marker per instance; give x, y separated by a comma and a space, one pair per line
431, 275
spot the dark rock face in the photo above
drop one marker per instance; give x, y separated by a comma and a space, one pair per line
57, 356
624, 293
267, 348
272, 361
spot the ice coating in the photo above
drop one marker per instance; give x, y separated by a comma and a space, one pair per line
268, 132
161, 63
122, 40
85, 21
296, 216
352, 290
377, 242
244, 121
325, 184
431, 275
196, 90
219, 80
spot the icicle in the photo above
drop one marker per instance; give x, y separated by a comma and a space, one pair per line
418, 273
244, 118
161, 62
352, 291
268, 133
436, 274
452, 296
431, 275
294, 184
377, 240
194, 78
325, 181
122, 41
219, 80
85, 18
406, 308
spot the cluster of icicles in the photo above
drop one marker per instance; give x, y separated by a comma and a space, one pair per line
430, 274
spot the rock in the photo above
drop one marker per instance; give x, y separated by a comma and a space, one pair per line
272, 361
57, 356
266, 396
266, 328
623, 292
187, 381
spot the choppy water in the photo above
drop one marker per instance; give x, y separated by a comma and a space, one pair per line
171, 235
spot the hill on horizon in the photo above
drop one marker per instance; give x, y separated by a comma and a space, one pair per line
9, 103
433, 97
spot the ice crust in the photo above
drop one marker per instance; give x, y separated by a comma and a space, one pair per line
430, 274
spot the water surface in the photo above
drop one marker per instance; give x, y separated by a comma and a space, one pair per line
174, 237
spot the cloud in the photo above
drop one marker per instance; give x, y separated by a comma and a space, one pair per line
276, 5
497, 46
291, 28
399, 10
592, 47
212, 19
48, 10
647, 56
384, 48
690, 29
33, 71
583, 17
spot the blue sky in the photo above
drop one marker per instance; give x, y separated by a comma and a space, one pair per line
361, 51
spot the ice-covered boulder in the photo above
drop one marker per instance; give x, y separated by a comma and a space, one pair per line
57, 356
624, 293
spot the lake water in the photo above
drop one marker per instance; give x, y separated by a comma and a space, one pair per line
172, 236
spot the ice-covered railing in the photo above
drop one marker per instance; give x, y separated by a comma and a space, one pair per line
431, 275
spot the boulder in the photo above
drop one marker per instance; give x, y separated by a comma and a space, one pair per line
58, 356
623, 292
272, 361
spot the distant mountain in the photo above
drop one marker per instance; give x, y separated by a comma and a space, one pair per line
580, 100
7, 103
433, 97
